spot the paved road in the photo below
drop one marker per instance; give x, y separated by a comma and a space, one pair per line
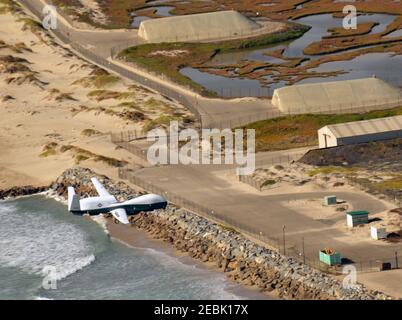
221, 113
200, 184
266, 213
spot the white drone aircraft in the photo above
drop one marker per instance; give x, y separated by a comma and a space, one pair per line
106, 203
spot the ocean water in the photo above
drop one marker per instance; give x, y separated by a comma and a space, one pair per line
37, 234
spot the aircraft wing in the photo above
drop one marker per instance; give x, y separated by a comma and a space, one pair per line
100, 188
120, 215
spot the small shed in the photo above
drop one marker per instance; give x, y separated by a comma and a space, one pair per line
378, 233
330, 200
355, 218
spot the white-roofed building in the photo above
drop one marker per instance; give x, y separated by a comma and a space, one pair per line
337, 97
360, 132
199, 27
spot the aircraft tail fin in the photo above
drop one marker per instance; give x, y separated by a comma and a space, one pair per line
73, 200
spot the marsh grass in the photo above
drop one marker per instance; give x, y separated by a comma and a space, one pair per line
90, 132
49, 150
82, 155
198, 54
101, 95
301, 130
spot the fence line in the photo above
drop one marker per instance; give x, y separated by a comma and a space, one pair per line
64, 36
294, 249
127, 136
208, 213
261, 184
273, 113
219, 36
366, 186
141, 154
272, 241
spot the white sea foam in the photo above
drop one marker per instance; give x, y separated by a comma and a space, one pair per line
53, 195
101, 220
216, 285
212, 282
32, 241
42, 298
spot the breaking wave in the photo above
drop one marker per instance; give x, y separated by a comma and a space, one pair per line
193, 277
33, 241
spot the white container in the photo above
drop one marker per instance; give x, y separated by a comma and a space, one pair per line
378, 233
349, 221
356, 218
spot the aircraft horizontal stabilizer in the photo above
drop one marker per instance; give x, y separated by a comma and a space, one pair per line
120, 215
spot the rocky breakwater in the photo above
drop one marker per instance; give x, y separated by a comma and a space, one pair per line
21, 191
241, 259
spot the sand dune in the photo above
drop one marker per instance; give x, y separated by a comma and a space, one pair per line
50, 99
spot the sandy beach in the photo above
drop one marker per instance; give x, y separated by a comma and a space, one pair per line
134, 237
57, 110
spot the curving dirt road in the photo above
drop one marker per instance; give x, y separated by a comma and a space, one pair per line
220, 113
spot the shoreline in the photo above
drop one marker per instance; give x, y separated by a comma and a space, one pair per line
241, 260
135, 238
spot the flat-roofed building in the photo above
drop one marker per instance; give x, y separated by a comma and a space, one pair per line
360, 132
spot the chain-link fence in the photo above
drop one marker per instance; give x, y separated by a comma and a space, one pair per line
251, 181
221, 35
206, 121
360, 106
290, 246
392, 194
127, 136
261, 184
63, 33
201, 210
375, 265
275, 242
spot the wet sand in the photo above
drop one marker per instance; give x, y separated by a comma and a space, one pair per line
134, 237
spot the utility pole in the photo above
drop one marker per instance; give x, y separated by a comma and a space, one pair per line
284, 242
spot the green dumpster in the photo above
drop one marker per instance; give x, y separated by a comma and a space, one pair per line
330, 257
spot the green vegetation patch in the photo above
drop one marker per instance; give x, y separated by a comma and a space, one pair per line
30, 25
169, 58
49, 150
90, 132
301, 130
98, 81
333, 169
161, 121
391, 184
100, 95
267, 183
9, 6
82, 155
